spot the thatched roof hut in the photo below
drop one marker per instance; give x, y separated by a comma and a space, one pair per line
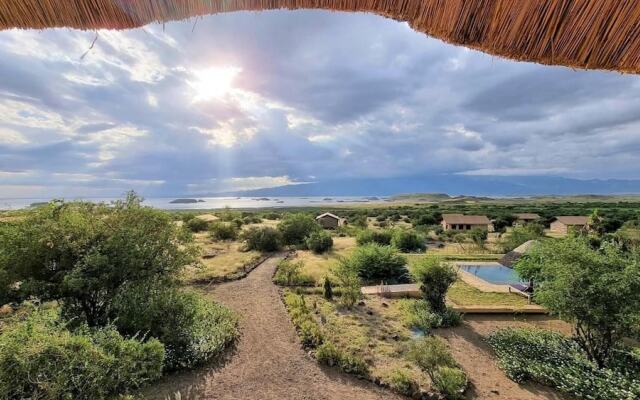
594, 34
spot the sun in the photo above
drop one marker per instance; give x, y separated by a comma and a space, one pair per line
213, 82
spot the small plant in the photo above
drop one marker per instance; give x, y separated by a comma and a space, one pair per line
308, 329
349, 282
330, 355
401, 381
319, 242
368, 236
430, 353
288, 274
197, 225
450, 382
223, 231
327, 289
408, 241
418, 315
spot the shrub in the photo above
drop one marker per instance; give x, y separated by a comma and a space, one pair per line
295, 228
262, 239
192, 328
450, 382
288, 274
478, 236
308, 329
430, 353
330, 355
41, 359
450, 318
197, 225
550, 358
402, 382
319, 242
349, 282
435, 278
418, 315
223, 231
375, 263
368, 236
407, 241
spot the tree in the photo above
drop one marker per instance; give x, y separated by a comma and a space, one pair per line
263, 239
435, 278
520, 235
596, 290
319, 242
595, 224
478, 237
81, 254
375, 263
381, 237
408, 241
295, 228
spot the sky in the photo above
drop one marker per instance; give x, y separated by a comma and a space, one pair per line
250, 100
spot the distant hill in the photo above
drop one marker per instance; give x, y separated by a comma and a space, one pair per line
433, 187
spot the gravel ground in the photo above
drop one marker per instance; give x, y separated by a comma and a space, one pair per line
268, 362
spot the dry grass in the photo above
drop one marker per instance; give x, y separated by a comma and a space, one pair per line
373, 331
229, 259
318, 266
463, 294
596, 34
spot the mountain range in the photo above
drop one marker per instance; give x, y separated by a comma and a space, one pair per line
452, 185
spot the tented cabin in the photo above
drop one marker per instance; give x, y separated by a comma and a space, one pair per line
460, 222
563, 224
525, 218
330, 221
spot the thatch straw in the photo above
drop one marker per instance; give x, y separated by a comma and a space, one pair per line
597, 34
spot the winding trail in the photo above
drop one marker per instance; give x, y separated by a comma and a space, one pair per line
268, 362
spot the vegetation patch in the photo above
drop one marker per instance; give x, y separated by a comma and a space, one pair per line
463, 294
555, 360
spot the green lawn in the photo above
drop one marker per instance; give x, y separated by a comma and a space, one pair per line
464, 294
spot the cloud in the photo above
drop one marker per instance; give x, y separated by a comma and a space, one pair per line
248, 100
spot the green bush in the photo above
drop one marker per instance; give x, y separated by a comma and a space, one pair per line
308, 329
319, 242
435, 278
402, 382
197, 225
430, 353
521, 234
349, 282
223, 231
552, 359
450, 382
295, 228
262, 239
375, 263
288, 274
368, 236
192, 328
418, 315
41, 359
328, 354
327, 289
407, 241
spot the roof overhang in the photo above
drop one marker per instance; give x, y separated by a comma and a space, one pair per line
591, 34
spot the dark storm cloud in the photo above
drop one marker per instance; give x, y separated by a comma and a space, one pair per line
317, 96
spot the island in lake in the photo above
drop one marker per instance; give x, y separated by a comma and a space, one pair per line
186, 201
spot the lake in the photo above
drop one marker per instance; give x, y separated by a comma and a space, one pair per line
220, 202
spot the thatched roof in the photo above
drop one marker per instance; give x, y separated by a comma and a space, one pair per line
599, 34
573, 220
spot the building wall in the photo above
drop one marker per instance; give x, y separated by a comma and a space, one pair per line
463, 227
328, 222
559, 227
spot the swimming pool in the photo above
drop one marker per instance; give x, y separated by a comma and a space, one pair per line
492, 273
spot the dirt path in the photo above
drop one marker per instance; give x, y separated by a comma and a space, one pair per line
474, 356
268, 362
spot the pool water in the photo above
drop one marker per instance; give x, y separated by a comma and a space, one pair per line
493, 273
